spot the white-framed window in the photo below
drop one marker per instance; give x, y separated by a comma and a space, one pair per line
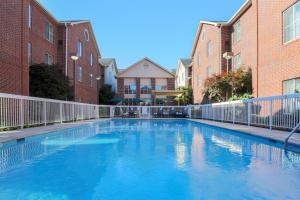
79, 77
29, 16
291, 23
91, 59
209, 48
199, 80
130, 87
209, 71
91, 80
237, 61
48, 59
29, 50
199, 59
203, 34
49, 32
86, 35
79, 48
291, 86
237, 31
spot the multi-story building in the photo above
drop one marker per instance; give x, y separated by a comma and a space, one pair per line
31, 35
261, 35
183, 73
142, 78
110, 72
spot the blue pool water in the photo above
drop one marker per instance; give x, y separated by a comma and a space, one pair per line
147, 159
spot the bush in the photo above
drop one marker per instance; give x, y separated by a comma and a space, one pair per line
235, 84
48, 81
106, 95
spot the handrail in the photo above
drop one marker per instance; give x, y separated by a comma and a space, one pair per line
290, 135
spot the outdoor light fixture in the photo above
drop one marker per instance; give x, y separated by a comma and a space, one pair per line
228, 56
74, 57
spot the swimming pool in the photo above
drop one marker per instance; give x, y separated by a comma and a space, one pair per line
147, 159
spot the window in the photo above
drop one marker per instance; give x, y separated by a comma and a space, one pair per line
146, 86
291, 23
237, 61
91, 80
198, 59
29, 16
79, 74
199, 80
237, 31
48, 59
209, 71
291, 86
209, 48
79, 48
49, 32
203, 35
130, 89
160, 87
91, 59
29, 49
86, 35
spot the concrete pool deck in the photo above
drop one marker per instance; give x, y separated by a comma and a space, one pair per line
277, 135
7, 136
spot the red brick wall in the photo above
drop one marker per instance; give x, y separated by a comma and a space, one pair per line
212, 33
120, 88
83, 89
247, 46
138, 87
277, 61
13, 36
171, 83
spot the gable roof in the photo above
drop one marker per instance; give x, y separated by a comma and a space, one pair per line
107, 61
186, 62
149, 60
239, 12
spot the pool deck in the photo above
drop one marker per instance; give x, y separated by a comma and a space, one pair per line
276, 135
7, 136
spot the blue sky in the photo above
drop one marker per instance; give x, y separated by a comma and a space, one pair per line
128, 30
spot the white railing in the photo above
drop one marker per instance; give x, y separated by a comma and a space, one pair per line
271, 112
21, 111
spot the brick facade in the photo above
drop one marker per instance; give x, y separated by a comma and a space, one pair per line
261, 48
16, 35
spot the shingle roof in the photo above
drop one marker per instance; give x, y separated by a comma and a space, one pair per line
186, 61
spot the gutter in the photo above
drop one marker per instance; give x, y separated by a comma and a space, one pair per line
66, 61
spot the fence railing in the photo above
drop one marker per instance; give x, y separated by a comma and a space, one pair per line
271, 112
21, 111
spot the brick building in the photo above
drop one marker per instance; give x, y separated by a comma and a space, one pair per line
261, 35
141, 79
31, 35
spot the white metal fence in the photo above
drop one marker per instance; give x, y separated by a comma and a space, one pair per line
272, 112
21, 111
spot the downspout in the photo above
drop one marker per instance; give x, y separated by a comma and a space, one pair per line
257, 50
220, 46
66, 59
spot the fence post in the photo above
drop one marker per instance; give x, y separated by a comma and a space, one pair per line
190, 111
249, 113
45, 114
271, 114
111, 111
233, 113
60, 113
21, 114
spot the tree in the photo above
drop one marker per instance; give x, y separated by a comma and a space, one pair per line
48, 81
106, 95
235, 84
187, 96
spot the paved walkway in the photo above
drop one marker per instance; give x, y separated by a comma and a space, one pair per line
6, 136
255, 131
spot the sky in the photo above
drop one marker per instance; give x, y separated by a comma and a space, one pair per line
129, 30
